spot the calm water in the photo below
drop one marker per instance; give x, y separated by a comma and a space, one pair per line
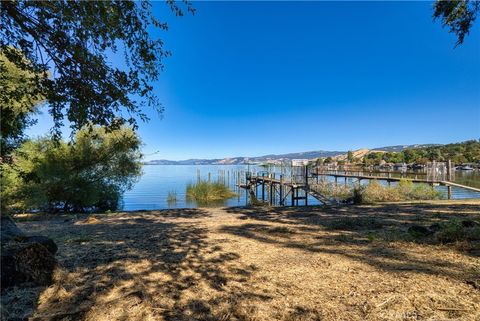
151, 191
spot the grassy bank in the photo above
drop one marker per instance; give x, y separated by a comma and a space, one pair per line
371, 262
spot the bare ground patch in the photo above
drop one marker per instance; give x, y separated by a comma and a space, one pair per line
306, 263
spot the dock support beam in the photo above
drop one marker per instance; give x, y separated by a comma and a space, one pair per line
263, 187
281, 189
271, 190
449, 171
293, 196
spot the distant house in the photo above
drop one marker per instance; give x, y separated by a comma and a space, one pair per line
400, 167
299, 162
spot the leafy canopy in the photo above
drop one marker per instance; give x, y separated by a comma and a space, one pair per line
457, 15
74, 40
88, 174
18, 100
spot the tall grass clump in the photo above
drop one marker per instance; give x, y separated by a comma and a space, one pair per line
330, 190
374, 192
204, 192
172, 197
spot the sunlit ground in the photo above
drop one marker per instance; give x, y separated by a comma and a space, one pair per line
341, 263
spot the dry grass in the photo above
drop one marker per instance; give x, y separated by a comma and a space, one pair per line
339, 263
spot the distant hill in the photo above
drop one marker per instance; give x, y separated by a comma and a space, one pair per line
245, 160
277, 158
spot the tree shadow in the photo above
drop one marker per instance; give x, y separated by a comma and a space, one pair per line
136, 266
366, 234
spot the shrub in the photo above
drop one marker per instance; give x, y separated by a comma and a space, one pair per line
88, 174
358, 195
456, 231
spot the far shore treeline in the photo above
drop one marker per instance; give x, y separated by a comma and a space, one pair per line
458, 153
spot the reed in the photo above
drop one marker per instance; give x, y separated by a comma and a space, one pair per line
375, 192
172, 197
205, 192
330, 190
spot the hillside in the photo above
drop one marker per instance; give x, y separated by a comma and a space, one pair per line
339, 155
245, 160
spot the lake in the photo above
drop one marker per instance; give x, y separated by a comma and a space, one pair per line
151, 191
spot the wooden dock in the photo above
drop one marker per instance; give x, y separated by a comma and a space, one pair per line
391, 178
273, 190
276, 191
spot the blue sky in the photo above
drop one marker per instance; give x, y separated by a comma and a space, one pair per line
255, 78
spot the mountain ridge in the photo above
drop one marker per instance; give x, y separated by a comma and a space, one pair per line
279, 157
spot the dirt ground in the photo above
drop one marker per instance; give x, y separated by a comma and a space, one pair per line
304, 263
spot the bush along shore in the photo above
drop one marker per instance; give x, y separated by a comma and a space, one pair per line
375, 192
405, 190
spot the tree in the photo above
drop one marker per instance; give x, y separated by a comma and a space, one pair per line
18, 100
88, 174
350, 156
457, 15
76, 40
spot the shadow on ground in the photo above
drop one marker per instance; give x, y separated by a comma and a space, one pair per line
136, 266
377, 235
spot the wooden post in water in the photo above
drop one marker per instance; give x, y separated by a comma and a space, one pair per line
281, 190
270, 189
209, 176
449, 192
247, 188
449, 171
293, 195
263, 187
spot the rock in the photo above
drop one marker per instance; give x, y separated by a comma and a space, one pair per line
25, 258
45, 241
418, 230
26, 262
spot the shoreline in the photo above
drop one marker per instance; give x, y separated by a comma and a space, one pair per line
466, 201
